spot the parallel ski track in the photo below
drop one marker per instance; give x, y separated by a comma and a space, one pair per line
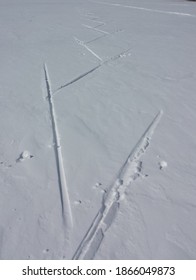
127, 174
64, 196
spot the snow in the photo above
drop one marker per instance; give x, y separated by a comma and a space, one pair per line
162, 164
25, 155
97, 118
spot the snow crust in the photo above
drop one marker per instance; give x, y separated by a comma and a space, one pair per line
97, 118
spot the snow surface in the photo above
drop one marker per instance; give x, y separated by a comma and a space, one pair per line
98, 135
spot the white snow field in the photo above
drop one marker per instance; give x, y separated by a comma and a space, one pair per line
98, 129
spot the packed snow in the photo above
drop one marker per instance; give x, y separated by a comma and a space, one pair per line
98, 135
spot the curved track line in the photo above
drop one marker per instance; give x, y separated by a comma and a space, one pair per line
129, 172
64, 196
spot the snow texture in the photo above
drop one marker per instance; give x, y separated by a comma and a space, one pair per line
97, 117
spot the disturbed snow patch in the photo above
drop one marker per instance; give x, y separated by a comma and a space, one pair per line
162, 165
24, 155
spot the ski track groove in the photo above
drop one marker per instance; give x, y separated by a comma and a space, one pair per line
63, 189
77, 79
144, 9
128, 173
105, 35
95, 29
81, 43
57, 91
95, 39
100, 23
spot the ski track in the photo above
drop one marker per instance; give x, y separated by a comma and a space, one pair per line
100, 23
81, 43
144, 9
96, 39
117, 56
113, 58
105, 35
95, 29
128, 173
77, 79
64, 196
101, 62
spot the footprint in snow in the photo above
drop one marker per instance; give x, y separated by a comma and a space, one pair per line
24, 155
99, 187
162, 165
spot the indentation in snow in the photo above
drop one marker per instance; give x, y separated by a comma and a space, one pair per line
162, 164
25, 155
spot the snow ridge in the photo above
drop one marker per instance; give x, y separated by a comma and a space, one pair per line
63, 189
128, 173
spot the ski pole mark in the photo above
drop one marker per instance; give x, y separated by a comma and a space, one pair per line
144, 9
128, 173
64, 196
81, 43
113, 58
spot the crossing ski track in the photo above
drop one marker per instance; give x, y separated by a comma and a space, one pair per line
95, 39
63, 189
83, 75
88, 48
128, 173
131, 87
95, 29
143, 9
99, 23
